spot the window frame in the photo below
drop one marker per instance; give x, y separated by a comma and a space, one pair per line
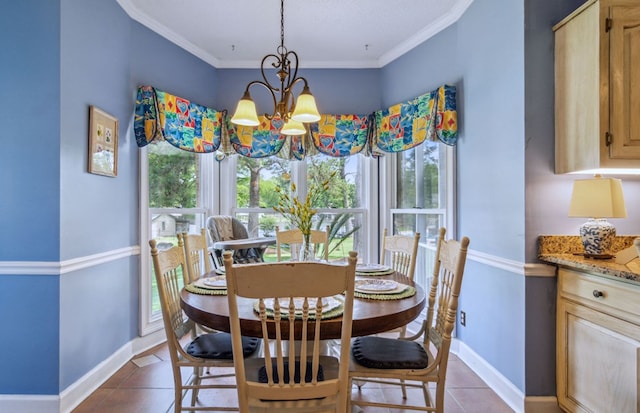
149, 321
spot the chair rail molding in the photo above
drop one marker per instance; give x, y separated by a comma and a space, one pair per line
516, 267
67, 266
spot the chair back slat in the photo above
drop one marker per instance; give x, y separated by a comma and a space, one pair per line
293, 238
402, 251
169, 268
293, 300
445, 289
196, 253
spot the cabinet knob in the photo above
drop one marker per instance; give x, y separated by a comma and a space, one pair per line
598, 293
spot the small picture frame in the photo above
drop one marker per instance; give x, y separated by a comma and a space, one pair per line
103, 143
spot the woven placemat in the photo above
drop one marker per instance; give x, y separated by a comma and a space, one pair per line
205, 291
406, 293
335, 312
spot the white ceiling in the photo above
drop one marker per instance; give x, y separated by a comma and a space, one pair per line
324, 33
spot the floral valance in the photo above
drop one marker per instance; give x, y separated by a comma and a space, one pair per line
333, 135
184, 124
405, 125
340, 135
196, 128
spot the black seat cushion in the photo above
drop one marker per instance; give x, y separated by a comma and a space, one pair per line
388, 353
218, 346
262, 373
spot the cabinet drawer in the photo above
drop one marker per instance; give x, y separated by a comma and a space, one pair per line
613, 297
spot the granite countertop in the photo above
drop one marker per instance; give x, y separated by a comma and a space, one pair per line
567, 251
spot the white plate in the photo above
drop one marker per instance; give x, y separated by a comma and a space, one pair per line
372, 268
219, 281
328, 304
369, 285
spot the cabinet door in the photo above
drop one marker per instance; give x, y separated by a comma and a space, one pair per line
625, 82
598, 361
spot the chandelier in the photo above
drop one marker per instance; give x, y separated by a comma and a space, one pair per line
293, 114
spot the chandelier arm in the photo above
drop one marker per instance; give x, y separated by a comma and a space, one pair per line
276, 64
267, 86
296, 80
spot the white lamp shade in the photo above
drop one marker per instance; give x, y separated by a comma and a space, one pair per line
293, 128
245, 114
597, 198
306, 110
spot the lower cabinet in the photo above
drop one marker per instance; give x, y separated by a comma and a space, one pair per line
598, 344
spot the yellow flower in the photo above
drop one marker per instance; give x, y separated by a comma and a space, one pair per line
300, 214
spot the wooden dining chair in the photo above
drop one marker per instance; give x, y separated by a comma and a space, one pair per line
206, 351
198, 262
402, 252
421, 359
293, 238
293, 301
196, 252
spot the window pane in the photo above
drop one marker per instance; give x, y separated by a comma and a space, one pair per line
173, 177
345, 188
432, 153
406, 195
256, 180
174, 184
419, 173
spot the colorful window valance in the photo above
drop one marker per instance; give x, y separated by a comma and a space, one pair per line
405, 125
184, 124
257, 142
333, 135
196, 128
340, 135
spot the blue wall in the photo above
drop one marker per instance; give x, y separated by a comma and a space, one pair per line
61, 57
486, 64
354, 91
29, 194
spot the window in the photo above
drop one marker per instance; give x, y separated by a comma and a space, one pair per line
405, 192
421, 198
174, 193
343, 208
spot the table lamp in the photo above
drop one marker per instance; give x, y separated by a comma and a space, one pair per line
597, 199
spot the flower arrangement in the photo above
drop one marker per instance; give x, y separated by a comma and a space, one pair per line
300, 214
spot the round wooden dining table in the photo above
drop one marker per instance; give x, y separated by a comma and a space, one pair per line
370, 316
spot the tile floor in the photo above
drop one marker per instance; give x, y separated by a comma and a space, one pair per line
145, 385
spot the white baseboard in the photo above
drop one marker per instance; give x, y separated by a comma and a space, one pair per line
29, 403
73, 395
506, 390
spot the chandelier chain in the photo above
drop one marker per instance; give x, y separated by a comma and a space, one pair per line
282, 23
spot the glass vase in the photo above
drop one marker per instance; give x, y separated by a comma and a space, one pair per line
306, 249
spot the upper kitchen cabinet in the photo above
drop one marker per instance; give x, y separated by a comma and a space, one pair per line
597, 88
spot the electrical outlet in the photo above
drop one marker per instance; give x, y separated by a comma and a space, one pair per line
463, 318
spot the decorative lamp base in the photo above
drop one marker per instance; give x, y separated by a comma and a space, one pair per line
597, 237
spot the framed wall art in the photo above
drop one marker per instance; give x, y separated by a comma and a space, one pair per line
103, 143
